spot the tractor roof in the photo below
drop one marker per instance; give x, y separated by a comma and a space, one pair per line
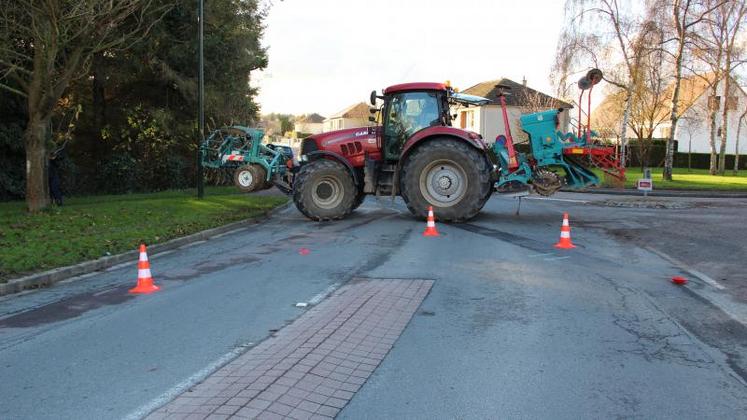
414, 86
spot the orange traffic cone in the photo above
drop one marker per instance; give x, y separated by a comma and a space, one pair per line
144, 280
565, 235
430, 227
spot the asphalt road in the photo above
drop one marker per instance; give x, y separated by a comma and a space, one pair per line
511, 327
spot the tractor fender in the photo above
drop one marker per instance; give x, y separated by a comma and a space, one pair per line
473, 139
337, 157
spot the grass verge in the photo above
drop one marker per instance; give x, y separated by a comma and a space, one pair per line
86, 228
684, 179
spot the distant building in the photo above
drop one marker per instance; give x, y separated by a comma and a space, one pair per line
310, 124
488, 119
693, 127
350, 117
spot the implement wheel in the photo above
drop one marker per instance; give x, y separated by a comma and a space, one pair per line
249, 178
324, 190
449, 175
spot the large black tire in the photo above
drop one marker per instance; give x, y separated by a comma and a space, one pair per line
449, 175
249, 178
324, 190
359, 198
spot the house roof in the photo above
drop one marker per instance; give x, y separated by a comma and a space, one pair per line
359, 110
519, 94
311, 119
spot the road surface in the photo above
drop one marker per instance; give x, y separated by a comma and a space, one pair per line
504, 325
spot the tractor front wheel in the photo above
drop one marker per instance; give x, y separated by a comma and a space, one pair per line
324, 190
449, 175
249, 178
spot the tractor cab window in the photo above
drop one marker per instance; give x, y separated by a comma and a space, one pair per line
406, 114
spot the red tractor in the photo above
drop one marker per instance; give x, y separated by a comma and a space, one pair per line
414, 153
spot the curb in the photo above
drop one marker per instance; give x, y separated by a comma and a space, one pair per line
663, 193
50, 277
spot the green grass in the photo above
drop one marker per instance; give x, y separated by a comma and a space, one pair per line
87, 228
682, 179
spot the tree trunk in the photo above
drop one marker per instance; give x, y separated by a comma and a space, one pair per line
624, 127
724, 119
37, 187
712, 167
674, 117
736, 145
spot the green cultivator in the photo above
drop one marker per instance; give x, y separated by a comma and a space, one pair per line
256, 166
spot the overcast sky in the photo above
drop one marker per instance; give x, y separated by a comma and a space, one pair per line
325, 55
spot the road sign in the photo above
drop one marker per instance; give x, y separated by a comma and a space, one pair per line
645, 185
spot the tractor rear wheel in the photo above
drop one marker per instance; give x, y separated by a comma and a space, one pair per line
324, 190
449, 175
249, 178
359, 198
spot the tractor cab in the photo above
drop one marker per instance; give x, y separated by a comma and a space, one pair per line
409, 108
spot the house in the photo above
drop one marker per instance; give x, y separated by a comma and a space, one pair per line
310, 124
488, 119
350, 117
693, 128
696, 100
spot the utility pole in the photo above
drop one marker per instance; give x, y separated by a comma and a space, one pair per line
201, 98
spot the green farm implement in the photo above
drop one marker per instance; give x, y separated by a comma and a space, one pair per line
256, 166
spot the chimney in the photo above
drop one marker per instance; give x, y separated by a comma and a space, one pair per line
524, 81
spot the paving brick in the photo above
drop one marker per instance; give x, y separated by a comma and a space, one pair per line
268, 415
280, 408
240, 401
324, 390
326, 410
317, 398
300, 414
342, 394
227, 409
259, 404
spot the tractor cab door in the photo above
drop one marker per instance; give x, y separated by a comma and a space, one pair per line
405, 114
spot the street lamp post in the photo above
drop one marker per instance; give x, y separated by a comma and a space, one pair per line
200, 99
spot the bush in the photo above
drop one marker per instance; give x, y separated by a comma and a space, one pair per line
12, 157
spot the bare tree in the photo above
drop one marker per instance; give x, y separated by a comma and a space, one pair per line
686, 15
734, 12
650, 104
708, 53
44, 46
736, 142
609, 35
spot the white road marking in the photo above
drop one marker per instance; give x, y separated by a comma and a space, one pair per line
201, 241
228, 233
540, 255
685, 267
556, 258
326, 292
193, 380
567, 200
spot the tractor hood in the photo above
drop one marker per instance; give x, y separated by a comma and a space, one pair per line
329, 139
352, 144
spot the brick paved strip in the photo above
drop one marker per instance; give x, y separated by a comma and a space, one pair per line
313, 367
